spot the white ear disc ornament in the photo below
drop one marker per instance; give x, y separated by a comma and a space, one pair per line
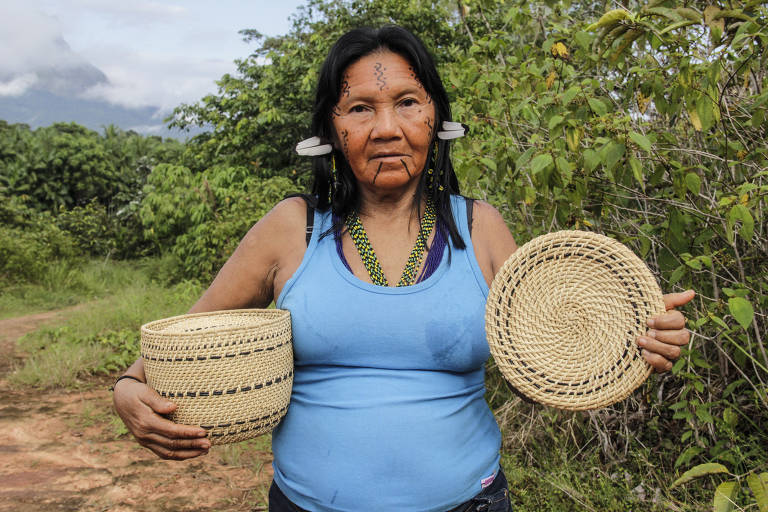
452, 130
313, 146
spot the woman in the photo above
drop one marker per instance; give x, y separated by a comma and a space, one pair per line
387, 410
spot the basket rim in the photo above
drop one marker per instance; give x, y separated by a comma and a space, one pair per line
269, 316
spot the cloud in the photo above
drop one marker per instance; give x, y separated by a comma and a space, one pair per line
137, 79
33, 53
134, 12
30, 40
18, 86
141, 53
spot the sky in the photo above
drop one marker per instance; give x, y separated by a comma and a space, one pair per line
156, 53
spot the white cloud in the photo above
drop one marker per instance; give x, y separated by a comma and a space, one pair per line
134, 12
154, 79
31, 40
17, 86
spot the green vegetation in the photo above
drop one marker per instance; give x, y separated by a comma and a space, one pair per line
644, 121
103, 336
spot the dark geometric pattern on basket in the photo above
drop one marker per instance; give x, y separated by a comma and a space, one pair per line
257, 424
230, 371
218, 392
203, 358
562, 317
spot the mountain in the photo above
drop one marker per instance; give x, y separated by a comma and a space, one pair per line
42, 95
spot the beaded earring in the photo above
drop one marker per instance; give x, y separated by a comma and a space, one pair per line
431, 169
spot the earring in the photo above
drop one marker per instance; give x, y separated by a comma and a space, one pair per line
430, 169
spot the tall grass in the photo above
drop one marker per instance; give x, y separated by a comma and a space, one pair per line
103, 336
66, 282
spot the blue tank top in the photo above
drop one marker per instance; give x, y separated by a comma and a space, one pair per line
387, 411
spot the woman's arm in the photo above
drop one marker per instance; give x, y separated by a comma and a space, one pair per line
666, 334
255, 273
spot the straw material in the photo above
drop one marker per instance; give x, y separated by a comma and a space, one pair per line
562, 319
230, 372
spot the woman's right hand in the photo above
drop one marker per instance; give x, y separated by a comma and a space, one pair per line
140, 408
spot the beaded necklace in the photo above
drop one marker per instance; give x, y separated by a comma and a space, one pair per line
371, 262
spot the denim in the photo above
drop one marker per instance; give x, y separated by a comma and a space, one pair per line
494, 498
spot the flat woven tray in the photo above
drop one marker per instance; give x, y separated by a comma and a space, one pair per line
230, 372
562, 319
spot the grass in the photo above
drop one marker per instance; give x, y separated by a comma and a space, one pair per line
66, 283
103, 337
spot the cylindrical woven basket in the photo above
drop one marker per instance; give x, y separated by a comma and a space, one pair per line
562, 319
230, 372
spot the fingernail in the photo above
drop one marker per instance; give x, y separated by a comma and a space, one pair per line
205, 445
651, 322
641, 342
201, 433
651, 333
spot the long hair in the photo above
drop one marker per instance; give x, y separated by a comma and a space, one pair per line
350, 47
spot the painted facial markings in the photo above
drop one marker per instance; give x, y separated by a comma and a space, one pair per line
345, 86
416, 78
380, 78
377, 172
406, 167
428, 122
345, 142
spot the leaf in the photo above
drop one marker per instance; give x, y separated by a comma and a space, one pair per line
540, 162
695, 121
550, 79
524, 158
708, 468
724, 496
609, 19
704, 109
569, 94
693, 183
597, 106
742, 311
759, 486
741, 213
641, 140
489, 163
637, 171
591, 159
559, 50
611, 154
554, 121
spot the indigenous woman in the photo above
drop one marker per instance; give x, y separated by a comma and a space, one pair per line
387, 298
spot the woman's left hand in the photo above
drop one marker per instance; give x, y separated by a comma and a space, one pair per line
666, 333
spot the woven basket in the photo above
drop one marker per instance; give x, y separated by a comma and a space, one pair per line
230, 372
562, 319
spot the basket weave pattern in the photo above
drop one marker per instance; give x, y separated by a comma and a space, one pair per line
562, 319
230, 372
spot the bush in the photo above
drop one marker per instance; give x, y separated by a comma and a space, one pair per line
200, 218
29, 242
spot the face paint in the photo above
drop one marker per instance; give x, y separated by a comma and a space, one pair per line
385, 126
380, 79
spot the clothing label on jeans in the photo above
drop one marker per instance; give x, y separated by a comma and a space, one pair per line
485, 482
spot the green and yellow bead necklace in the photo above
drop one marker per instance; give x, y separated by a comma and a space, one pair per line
371, 262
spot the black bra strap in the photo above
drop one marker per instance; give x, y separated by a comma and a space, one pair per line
311, 202
470, 206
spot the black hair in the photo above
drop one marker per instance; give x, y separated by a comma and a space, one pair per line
350, 47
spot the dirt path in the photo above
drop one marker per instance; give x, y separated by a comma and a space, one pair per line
66, 450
